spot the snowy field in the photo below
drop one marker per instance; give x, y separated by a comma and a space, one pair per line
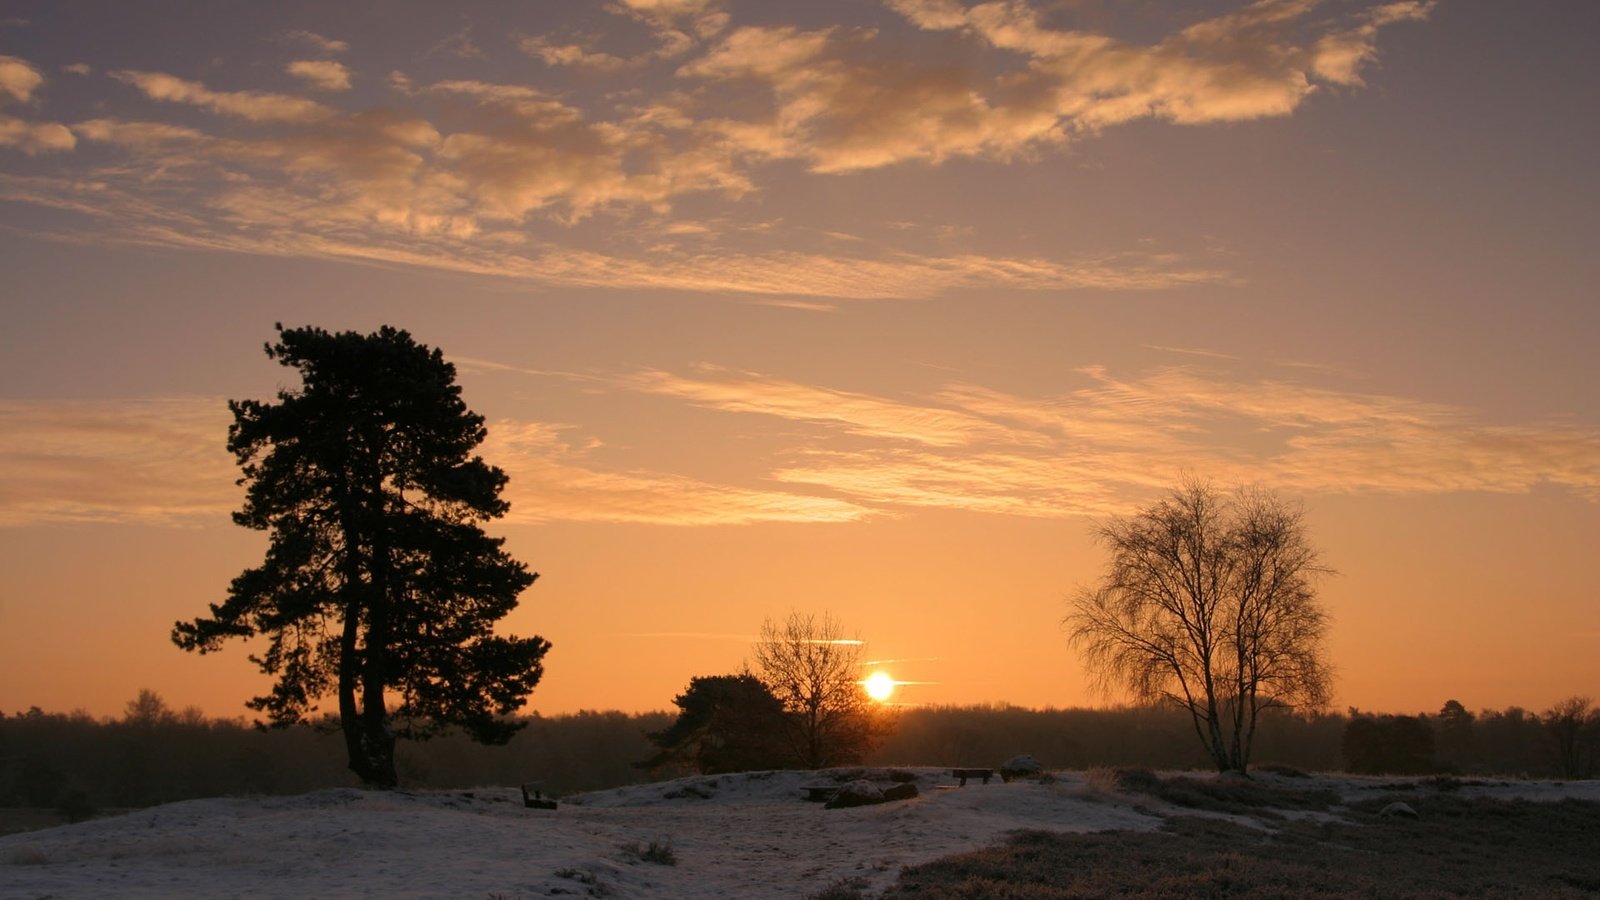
747, 836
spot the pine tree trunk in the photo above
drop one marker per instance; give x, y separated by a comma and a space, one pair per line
379, 740
349, 712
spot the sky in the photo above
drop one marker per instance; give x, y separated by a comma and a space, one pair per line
874, 309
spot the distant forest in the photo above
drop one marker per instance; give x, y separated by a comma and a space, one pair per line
78, 765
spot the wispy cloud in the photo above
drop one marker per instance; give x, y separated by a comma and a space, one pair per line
1092, 450
478, 175
374, 183
732, 391
1115, 440
552, 481
317, 42
253, 106
690, 635
160, 461
164, 462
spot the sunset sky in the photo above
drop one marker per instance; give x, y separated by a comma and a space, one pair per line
867, 307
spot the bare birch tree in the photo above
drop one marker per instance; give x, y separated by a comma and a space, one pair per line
1209, 604
815, 671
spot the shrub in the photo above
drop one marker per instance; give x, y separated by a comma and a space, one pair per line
844, 889
658, 852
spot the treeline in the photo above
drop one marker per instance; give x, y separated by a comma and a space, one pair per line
79, 764
1561, 742
153, 754
1153, 737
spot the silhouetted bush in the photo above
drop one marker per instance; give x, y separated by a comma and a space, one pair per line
1389, 745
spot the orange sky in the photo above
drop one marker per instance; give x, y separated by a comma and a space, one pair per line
863, 308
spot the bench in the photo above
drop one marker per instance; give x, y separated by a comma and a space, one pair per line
963, 774
820, 793
533, 799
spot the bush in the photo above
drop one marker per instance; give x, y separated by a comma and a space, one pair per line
658, 852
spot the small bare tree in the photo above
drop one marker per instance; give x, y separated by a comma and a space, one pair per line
1208, 604
815, 671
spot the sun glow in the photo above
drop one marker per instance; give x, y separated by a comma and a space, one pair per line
879, 685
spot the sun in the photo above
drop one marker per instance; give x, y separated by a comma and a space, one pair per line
879, 685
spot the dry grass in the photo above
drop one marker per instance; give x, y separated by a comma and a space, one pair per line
1459, 847
1223, 793
659, 852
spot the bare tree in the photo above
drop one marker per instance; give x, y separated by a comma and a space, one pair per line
1208, 603
1573, 727
815, 671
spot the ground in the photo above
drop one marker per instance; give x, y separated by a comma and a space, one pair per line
747, 836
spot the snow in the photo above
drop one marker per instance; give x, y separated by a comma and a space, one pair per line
748, 836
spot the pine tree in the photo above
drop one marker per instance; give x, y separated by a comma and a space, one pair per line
726, 723
378, 583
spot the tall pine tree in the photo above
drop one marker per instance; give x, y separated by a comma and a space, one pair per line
378, 585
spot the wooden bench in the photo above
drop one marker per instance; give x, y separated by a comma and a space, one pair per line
820, 793
963, 774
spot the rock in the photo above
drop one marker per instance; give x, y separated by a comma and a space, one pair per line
1024, 766
1397, 809
856, 793
903, 791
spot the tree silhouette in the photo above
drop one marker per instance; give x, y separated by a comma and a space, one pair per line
726, 723
1454, 740
1573, 726
1388, 745
1208, 604
815, 671
378, 580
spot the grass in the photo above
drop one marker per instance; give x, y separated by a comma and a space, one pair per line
1458, 847
658, 852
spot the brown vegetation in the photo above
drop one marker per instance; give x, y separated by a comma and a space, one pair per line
1457, 847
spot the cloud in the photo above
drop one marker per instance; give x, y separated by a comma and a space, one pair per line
1340, 56
18, 78
161, 461
1114, 441
679, 25
383, 189
842, 101
322, 74
254, 106
457, 45
550, 482
507, 179
35, 137
1099, 448
164, 462
317, 42
555, 54
855, 413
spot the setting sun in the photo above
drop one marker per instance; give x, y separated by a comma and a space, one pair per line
879, 685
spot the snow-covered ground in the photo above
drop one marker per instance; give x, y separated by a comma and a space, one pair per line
747, 836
